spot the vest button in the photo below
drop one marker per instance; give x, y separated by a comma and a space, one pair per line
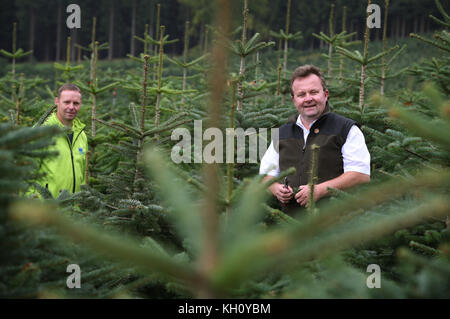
316, 130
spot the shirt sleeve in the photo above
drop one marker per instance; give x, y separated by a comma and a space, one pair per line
356, 156
270, 162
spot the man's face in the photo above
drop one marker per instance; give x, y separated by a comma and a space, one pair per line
68, 104
309, 97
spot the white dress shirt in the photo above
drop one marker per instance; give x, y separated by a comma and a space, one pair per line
355, 154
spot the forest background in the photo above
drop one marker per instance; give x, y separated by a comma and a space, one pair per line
41, 24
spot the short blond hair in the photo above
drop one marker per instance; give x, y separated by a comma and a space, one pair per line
68, 87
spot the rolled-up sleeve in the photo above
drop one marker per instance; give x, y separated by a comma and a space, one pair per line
356, 156
270, 162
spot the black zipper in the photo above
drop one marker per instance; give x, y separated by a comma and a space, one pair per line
71, 157
305, 143
73, 165
304, 147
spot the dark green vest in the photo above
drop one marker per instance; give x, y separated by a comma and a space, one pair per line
329, 132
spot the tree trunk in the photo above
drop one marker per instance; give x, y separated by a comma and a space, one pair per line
160, 66
31, 32
321, 43
242, 66
416, 24
288, 21
394, 29
111, 31
150, 25
205, 46
201, 35
361, 88
384, 38
240, 90
58, 32
185, 55
93, 113
392, 34
422, 25
403, 31
133, 27
150, 34
73, 37
93, 78
157, 30
285, 55
47, 49
330, 65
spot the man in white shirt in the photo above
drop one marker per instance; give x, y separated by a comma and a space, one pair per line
343, 159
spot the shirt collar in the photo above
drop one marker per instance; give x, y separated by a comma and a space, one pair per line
299, 123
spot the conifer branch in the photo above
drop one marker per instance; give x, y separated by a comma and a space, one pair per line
313, 178
144, 259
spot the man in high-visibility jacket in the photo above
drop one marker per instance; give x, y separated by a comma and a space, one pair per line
67, 170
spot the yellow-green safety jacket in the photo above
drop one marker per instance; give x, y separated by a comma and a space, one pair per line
68, 169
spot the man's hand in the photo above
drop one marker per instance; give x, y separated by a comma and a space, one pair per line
302, 196
282, 193
342, 182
